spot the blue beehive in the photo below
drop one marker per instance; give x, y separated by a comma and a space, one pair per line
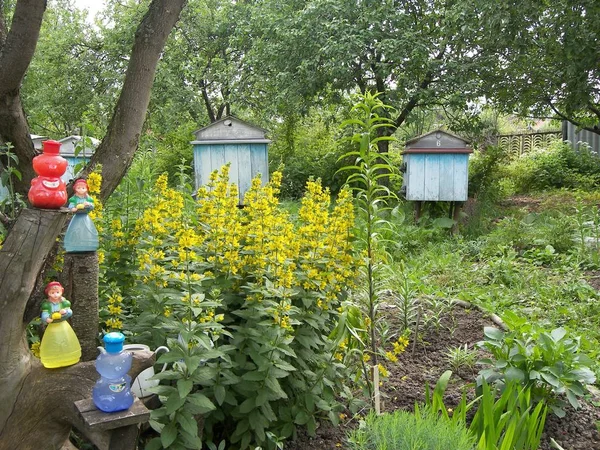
77, 154
436, 167
233, 141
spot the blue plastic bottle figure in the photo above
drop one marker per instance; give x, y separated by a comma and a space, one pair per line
112, 391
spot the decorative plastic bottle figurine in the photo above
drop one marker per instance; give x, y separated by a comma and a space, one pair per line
48, 190
60, 346
112, 391
81, 235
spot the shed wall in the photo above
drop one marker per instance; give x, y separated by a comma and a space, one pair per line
436, 177
247, 160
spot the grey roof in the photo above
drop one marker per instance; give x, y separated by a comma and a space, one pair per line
439, 130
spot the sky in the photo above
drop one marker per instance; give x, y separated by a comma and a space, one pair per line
93, 6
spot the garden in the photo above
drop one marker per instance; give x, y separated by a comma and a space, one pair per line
337, 321
319, 304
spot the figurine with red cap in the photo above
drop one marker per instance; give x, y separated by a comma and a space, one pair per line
81, 235
60, 346
48, 190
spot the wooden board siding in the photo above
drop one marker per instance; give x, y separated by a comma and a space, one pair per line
247, 160
436, 177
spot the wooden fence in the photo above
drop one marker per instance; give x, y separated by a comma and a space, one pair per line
522, 143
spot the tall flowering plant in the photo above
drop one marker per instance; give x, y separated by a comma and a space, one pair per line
246, 298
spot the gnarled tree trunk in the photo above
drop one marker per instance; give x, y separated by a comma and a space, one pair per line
36, 404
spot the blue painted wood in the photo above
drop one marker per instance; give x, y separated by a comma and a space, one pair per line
244, 170
259, 161
217, 157
202, 164
432, 177
73, 162
231, 156
246, 161
416, 177
436, 177
461, 178
447, 177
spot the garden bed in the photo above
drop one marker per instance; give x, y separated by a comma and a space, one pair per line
408, 377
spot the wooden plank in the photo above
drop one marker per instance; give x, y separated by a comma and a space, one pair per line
231, 156
432, 177
125, 438
244, 169
461, 178
416, 177
202, 164
260, 162
96, 420
217, 157
446, 192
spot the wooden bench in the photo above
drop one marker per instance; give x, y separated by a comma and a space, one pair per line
112, 431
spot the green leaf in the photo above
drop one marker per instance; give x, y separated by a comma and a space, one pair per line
550, 379
174, 403
573, 399
274, 386
168, 434
512, 373
493, 333
219, 393
201, 404
262, 397
154, 444
184, 387
188, 423
558, 333
247, 406
254, 376
301, 418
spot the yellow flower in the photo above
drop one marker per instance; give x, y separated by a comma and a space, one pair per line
382, 370
400, 345
35, 349
391, 357
114, 310
113, 323
94, 182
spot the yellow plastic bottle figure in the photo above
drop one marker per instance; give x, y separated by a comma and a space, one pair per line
60, 346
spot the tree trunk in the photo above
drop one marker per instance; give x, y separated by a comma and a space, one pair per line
16, 50
80, 280
36, 404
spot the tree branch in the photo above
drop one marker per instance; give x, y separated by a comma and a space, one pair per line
19, 47
117, 149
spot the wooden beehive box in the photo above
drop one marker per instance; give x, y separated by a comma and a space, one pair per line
436, 167
233, 141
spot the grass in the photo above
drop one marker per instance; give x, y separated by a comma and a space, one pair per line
527, 264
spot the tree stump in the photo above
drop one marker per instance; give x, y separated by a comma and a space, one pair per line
80, 280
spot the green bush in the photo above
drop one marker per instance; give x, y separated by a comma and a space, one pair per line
511, 420
559, 166
485, 172
402, 430
306, 148
246, 299
549, 362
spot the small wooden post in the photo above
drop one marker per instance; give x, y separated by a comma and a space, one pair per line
418, 206
456, 216
80, 280
376, 393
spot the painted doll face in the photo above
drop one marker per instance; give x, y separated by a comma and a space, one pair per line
55, 294
81, 190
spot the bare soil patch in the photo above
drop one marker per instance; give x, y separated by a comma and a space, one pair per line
409, 376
